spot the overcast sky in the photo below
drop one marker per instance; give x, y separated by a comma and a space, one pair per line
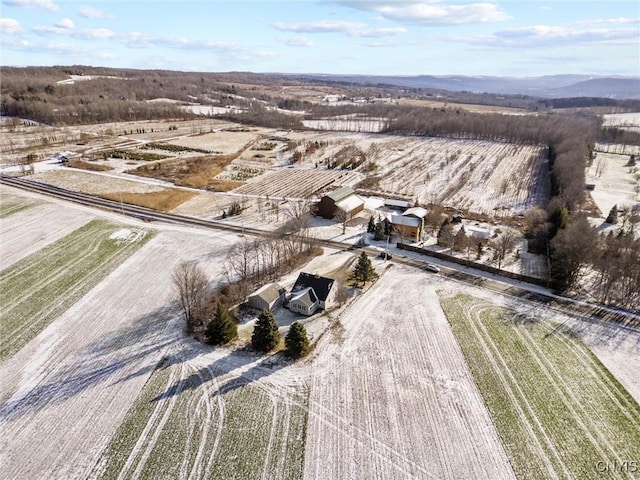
401, 37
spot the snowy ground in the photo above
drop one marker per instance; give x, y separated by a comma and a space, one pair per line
395, 409
29, 230
615, 182
391, 395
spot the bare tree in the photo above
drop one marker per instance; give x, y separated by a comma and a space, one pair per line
342, 217
503, 245
190, 285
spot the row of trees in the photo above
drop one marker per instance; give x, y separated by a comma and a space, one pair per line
266, 336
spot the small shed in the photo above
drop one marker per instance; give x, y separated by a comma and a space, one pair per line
267, 297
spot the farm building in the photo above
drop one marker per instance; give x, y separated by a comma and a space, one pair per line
311, 292
478, 232
267, 297
397, 204
344, 199
410, 224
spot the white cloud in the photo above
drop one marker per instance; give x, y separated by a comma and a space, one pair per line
430, 13
91, 12
551, 35
65, 23
97, 33
45, 4
381, 32
298, 42
10, 26
352, 29
610, 21
321, 27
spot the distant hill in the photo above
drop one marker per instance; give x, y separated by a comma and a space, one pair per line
552, 86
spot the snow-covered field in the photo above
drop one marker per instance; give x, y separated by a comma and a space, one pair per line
629, 121
29, 230
616, 183
71, 386
385, 394
391, 395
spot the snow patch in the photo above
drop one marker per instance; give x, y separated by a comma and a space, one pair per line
127, 235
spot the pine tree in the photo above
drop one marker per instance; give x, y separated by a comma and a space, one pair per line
221, 329
371, 227
265, 333
297, 342
363, 270
612, 218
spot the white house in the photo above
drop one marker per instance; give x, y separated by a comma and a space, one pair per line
311, 293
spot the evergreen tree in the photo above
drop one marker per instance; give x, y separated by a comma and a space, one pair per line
221, 329
371, 227
296, 341
265, 335
363, 270
378, 231
612, 218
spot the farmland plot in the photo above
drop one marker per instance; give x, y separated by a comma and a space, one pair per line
67, 391
298, 183
476, 175
615, 182
27, 231
392, 397
200, 418
10, 204
556, 407
225, 142
41, 286
481, 176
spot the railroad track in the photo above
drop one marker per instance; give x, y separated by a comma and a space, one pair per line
560, 303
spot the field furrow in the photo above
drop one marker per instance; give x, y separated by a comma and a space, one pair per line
580, 417
391, 396
42, 286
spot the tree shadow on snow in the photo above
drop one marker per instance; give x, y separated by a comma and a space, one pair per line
128, 352
235, 360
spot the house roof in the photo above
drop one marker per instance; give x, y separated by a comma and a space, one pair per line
306, 296
268, 292
397, 203
350, 203
416, 212
321, 285
340, 194
407, 220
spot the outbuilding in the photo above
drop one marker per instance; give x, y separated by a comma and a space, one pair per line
267, 297
344, 199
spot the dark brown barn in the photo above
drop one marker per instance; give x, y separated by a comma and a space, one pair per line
344, 199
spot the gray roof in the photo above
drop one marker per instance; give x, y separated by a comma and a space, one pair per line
269, 292
340, 193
